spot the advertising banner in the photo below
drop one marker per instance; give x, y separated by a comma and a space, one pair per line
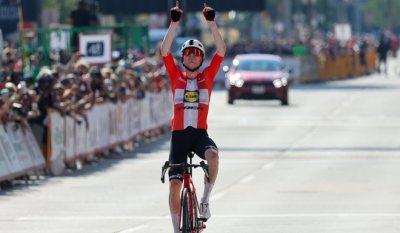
9, 152
34, 150
135, 115
70, 146
4, 164
80, 137
17, 139
96, 48
19, 152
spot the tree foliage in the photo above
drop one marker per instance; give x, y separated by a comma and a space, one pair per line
376, 13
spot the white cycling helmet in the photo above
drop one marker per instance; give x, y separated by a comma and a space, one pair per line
193, 44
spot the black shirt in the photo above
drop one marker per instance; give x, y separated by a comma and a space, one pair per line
81, 17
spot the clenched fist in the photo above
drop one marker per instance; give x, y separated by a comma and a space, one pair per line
176, 13
209, 13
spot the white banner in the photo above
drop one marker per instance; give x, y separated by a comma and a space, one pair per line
70, 146
56, 136
145, 114
91, 133
135, 121
10, 155
126, 119
59, 40
34, 150
96, 48
80, 137
4, 163
113, 123
109, 124
343, 31
21, 152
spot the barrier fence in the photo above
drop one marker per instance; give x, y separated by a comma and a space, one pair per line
19, 152
340, 67
110, 125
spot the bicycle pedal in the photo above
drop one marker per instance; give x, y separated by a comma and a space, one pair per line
202, 219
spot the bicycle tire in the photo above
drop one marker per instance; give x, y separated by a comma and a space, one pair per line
196, 214
186, 225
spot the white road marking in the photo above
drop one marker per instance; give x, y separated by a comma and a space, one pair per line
91, 218
247, 179
269, 165
130, 230
223, 216
328, 215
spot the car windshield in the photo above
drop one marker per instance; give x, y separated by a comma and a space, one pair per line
259, 65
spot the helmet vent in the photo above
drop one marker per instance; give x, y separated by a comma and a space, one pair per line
191, 42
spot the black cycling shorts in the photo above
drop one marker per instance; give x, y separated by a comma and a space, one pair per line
185, 141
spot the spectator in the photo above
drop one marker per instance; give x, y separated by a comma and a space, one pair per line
382, 50
80, 17
363, 53
97, 86
94, 11
45, 101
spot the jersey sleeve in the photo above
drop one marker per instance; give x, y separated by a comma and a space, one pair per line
171, 67
211, 71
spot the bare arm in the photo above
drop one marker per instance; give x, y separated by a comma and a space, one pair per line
176, 14
169, 37
219, 42
209, 15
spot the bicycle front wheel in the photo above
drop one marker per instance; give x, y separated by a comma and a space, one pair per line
197, 224
185, 215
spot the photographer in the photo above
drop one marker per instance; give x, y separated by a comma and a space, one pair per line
39, 123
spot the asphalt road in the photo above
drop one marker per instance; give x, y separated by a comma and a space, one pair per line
328, 163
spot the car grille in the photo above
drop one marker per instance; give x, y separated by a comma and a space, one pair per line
258, 83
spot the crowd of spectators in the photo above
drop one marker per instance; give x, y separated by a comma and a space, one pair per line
72, 88
327, 45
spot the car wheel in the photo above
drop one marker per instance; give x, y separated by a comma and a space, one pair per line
285, 99
230, 97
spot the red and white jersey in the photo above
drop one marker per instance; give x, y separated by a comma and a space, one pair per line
191, 97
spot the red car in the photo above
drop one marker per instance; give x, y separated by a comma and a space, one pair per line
257, 76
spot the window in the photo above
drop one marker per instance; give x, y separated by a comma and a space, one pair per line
259, 65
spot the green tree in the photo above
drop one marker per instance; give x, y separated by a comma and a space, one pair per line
377, 13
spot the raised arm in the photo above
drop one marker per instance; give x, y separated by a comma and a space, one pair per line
209, 15
176, 14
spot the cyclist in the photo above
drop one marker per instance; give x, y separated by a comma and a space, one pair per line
191, 97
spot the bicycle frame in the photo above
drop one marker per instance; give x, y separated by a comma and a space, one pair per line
196, 223
189, 185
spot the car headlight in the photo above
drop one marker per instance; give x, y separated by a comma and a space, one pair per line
284, 81
236, 80
277, 83
239, 83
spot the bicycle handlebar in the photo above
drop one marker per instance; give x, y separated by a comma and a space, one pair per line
185, 166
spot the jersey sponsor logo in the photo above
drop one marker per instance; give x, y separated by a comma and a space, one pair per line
190, 108
191, 96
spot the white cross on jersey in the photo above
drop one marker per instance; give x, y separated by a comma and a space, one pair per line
191, 97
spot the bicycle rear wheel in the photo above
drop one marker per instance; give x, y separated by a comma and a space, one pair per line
185, 215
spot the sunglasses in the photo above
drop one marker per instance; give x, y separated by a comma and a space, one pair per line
194, 51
